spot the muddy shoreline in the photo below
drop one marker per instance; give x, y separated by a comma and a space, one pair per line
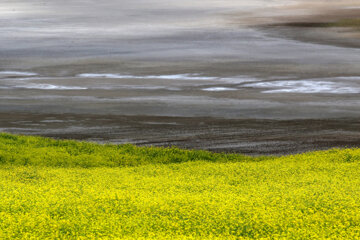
318, 27
246, 136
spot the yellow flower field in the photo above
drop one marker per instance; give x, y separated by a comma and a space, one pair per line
70, 190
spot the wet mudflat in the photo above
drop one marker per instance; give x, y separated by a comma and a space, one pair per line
247, 136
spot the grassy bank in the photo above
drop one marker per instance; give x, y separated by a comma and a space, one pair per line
38, 151
352, 23
70, 190
343, 23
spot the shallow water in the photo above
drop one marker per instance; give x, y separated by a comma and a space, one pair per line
187, 95
162, 58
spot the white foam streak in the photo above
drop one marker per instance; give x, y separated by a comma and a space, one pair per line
219, 89
50, 87
16, 73
306, 86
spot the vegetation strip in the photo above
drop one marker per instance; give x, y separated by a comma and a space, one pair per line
39, 151
345, 23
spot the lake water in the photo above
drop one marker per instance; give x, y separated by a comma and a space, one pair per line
168, 58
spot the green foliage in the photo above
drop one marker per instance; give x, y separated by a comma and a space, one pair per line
72, 190
25, 150
351, 22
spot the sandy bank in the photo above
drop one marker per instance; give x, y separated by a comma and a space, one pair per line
335, 26
323, 22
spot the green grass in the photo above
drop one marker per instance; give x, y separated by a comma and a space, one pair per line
71, 190
352, 23
38, 151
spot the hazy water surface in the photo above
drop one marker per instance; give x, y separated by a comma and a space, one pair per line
167, 58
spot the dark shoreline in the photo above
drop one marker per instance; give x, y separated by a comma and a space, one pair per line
333, 27
246, 136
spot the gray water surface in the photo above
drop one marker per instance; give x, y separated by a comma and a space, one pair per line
164, 58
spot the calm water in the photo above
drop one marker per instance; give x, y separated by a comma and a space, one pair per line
164, 58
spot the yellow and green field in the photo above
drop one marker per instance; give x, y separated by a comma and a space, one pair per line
71, 190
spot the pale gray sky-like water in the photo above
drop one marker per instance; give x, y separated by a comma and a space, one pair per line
170, 58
